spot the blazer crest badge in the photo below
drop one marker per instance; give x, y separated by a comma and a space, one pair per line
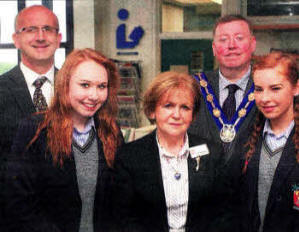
296, 197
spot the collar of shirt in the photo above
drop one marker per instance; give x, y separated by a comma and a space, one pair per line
30, 76
285, 134
241, 83
81, 136
184, 152
89, 125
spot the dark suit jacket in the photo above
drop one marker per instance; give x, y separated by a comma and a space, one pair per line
15, 104
205, 126
139, 193
45, 198
280, 215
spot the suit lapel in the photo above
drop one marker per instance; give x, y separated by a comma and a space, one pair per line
251, 115
195, 181
249, 84
153, 166
191, 169
214, 82
285, 166
19, 90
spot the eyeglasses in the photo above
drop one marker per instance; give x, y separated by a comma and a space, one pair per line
48, 30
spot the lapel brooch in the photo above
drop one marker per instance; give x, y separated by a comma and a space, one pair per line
197, 151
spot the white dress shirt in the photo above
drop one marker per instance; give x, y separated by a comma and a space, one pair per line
241, 83
176, 189
31, 76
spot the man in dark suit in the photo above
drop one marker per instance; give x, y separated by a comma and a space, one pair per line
227, 111
29, 86
229, 87
37, 37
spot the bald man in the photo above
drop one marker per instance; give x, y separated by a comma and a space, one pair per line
37, 37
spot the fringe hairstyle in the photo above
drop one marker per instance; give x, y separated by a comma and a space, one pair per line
290, 70
58, 120
165, 82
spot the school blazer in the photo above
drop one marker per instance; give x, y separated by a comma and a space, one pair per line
40, 196
205, 126
139, 194
280, 215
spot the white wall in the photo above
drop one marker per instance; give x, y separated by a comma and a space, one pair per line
84, 33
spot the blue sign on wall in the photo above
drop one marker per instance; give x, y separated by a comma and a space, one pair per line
135, 35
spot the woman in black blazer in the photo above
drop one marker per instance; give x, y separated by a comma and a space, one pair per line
58, 176
270, 183
164, 181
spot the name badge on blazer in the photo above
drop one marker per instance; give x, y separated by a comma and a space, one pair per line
197, 151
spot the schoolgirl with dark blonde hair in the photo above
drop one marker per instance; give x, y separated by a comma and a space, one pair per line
61, 180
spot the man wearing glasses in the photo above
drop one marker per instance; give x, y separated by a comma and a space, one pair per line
29, 86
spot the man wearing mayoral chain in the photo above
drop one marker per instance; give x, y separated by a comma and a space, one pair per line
228, 109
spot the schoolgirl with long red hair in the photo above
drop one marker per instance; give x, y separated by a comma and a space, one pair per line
270, 183
61, 180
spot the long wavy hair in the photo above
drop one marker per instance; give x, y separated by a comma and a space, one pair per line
290, 70
58, 119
